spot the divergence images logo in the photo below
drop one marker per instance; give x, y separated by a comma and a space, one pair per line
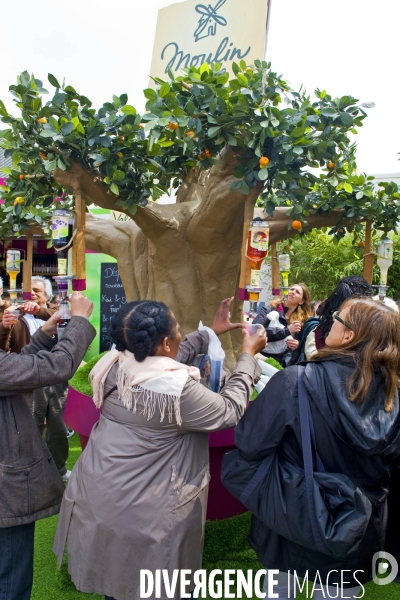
388, 561
209, 20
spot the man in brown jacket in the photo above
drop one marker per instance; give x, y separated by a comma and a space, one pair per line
30, 486
47, 403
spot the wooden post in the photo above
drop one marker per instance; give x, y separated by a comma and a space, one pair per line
368, 254
275, 274
245, 267
27, 268
79, 246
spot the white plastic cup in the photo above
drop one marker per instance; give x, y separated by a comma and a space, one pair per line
251, 329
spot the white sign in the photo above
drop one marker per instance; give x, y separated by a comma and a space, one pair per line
190, 33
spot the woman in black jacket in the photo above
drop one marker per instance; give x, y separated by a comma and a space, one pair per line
293, 312
352, 388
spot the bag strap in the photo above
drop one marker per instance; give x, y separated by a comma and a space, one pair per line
257, 477
305, 427
110, 392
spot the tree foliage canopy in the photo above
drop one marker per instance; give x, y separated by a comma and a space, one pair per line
310, 160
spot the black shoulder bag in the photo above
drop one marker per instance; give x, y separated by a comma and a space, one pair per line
311, 507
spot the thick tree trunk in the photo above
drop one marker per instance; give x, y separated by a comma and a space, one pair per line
185, 254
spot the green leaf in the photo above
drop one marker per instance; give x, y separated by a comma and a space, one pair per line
263, 174
118, 175
213, 131
190, 107
245, 188
123, 99
164, 90
128, 110
298, 150
242, 79
107, 180
329, 112
150, 94
77, 125
61, 164
53, 80
67, 128
346, 118
232, 141
359, 195
166, 143
236, 186
3, 110
348, 187
297, 132
59, 98
114, 189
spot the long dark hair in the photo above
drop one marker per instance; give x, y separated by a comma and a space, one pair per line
348, 287
141, 326
375, 348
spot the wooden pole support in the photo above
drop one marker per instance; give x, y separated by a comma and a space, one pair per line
275, 274
27, 268
79, 246
369, 256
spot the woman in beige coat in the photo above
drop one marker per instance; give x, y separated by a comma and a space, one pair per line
137, 496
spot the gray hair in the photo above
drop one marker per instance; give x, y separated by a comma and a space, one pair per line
48, 291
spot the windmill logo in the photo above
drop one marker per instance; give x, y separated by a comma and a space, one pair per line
209, 20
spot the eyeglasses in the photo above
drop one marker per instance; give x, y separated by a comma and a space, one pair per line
335, 315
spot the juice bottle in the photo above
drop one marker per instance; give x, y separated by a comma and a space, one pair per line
257, 247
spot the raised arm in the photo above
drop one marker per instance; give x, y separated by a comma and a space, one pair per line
42, 362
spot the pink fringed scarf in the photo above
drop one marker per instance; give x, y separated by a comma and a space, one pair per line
156, 380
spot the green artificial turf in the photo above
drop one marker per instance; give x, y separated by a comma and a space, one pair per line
225, 547
80, 381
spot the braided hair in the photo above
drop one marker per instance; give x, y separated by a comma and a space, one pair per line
141, 326
354, 286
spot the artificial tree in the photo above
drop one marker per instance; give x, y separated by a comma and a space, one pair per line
223, 144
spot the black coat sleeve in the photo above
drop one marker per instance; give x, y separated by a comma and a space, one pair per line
268, 417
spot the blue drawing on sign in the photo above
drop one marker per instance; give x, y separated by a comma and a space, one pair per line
209, 20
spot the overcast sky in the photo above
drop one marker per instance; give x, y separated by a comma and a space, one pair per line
103, 47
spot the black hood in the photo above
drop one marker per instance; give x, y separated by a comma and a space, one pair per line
366, 426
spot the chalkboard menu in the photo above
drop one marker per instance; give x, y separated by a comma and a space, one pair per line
112, 298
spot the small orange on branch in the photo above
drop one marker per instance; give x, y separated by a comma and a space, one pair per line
297, 225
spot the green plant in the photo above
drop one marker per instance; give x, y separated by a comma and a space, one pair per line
80, 381
189, 120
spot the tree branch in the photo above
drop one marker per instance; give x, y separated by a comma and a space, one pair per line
124, 241
152, 219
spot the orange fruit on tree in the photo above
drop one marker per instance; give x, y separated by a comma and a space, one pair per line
190, 134
141, 125
22, 176
297, 225
264, 160
340, 230
172, 126
42, 120
287, 247
43, 155
207, 153
119, 154
18, 200
121, 137
361, 244
331, 165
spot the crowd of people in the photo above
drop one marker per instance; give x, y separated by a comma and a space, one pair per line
136, 498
